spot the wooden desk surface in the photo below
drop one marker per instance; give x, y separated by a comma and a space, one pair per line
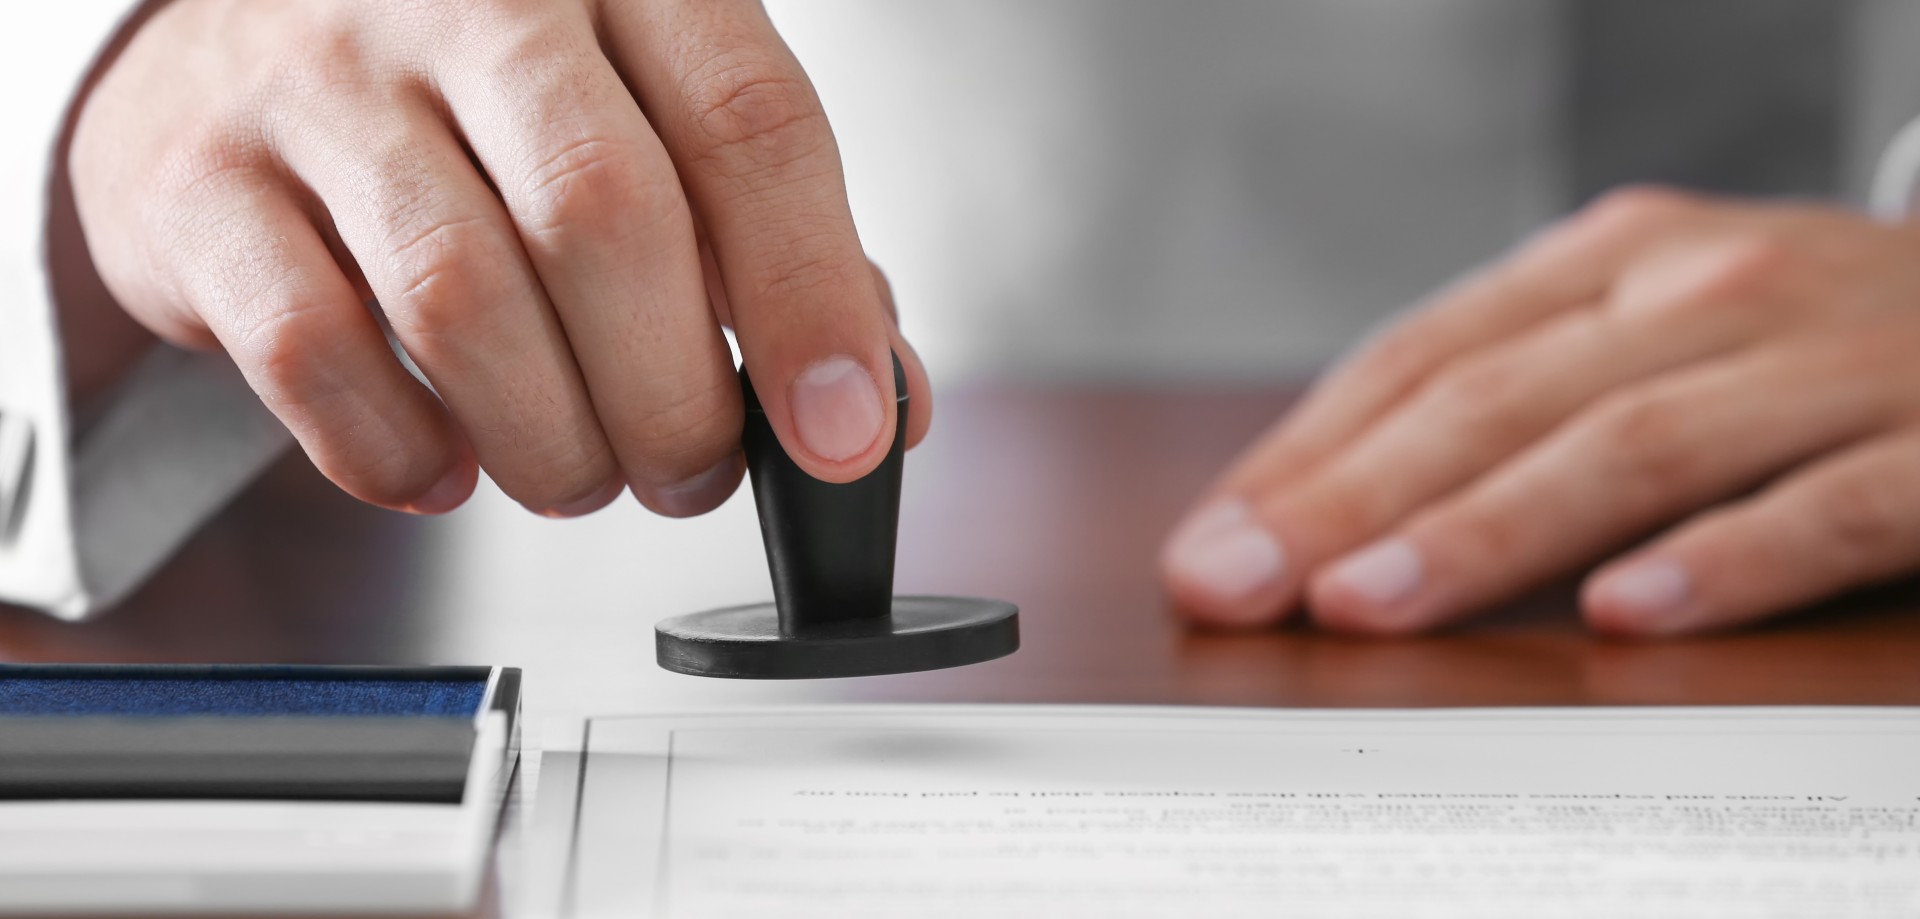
1054, 498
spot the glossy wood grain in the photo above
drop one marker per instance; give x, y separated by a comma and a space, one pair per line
1056, 498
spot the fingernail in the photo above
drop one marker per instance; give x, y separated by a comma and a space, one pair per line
1224, 552
836, 408
1645, 594
445, 495
588, 504
701, 493
1382, 574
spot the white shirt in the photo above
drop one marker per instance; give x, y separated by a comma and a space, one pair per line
86, 516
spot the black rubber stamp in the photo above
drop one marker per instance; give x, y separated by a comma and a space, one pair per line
831, 550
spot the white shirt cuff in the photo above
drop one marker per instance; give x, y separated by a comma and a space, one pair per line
1897, 178
85, 517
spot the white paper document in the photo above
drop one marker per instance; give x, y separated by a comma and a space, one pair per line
1122, 812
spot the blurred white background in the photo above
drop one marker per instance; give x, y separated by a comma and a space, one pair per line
1080, 188
1236, 189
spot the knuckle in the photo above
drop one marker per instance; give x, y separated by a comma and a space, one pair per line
683, 435
1398, 353
1748, 272
523, 48
1743, 267
556, 471
430, 253
1475, 386
330, 56
175, 230
810, 263
590, 188
1634, 209
395, 169
432, 278
1621, 216
1484, 396
752, 107
1644, 436
203, 160
283, 352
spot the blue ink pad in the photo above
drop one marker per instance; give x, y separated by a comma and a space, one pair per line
251, 788
244, 732
447, 692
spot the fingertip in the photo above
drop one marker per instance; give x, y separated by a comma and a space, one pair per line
1337, 610
1201, 615
884, 287
1642, 597
919, 383
1199, 604
599, 498
697, 495
919, 418
1601, 613
1223, 570
841, 418
1379, 590
452, 489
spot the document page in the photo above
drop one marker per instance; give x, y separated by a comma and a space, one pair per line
1114, 812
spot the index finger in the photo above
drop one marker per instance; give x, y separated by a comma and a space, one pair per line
751, 143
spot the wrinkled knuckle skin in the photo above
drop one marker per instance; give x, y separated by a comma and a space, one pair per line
429, 253
172, 227
283, 365
581, 180
201, 162
754, 110
1861, 515
523, 48
290, 367
590, 189
398, 169
284, 350
684, 436
220, 155
437, 294
330, 57
561, 471
809, 265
